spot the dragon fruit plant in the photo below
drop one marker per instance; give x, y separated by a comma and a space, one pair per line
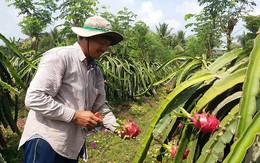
128, 129
229, 87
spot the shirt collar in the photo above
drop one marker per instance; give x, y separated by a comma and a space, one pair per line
91, 64
81, 55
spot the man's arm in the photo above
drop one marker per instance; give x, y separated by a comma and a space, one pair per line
44, 87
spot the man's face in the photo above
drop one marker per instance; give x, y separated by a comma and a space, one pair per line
97, 46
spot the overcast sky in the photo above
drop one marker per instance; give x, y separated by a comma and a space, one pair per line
151, 12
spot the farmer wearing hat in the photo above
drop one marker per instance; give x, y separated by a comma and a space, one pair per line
63, 97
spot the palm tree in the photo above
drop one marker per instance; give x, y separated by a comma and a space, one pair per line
164, 33
178, 39
56, 36
242, 39
181, 37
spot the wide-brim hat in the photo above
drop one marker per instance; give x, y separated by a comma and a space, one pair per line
95, 26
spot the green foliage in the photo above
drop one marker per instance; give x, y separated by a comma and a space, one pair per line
74, 13
2, 159
32, 26
215, 88
10, 151
14, 67
36, 16
178, 39
138, 66
132, 71
194, 46
51, 40
123, 23
166, 106
250, 89
218, 18
164, 33
140, 42
240, 147
46, 43
209, 39
126, 79
252, 24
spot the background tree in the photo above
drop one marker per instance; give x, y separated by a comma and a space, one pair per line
122, 22
252, 23
219, 16
74, 13
50, 40
227, 13
177, 42
36, 16
208, 35
194, 46
242, 39
165, 33
178, 39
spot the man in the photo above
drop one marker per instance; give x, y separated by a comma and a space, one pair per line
66, 91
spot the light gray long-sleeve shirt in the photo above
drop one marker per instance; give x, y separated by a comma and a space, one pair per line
64, 82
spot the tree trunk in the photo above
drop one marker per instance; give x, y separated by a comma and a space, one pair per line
229, 41
228, 30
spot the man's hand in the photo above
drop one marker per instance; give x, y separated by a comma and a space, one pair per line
86, 119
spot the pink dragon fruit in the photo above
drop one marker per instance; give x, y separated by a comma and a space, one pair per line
180, 126
130, 130
173, 150
206, 123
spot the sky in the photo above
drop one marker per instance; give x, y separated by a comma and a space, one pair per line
152, 12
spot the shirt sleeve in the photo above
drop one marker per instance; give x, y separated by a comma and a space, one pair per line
109, 119
40, 96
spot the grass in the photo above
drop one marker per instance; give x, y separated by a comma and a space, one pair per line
104, 146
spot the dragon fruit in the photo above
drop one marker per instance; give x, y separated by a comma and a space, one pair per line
206, 123
130, 129
174, 149
98, 115
180, 126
